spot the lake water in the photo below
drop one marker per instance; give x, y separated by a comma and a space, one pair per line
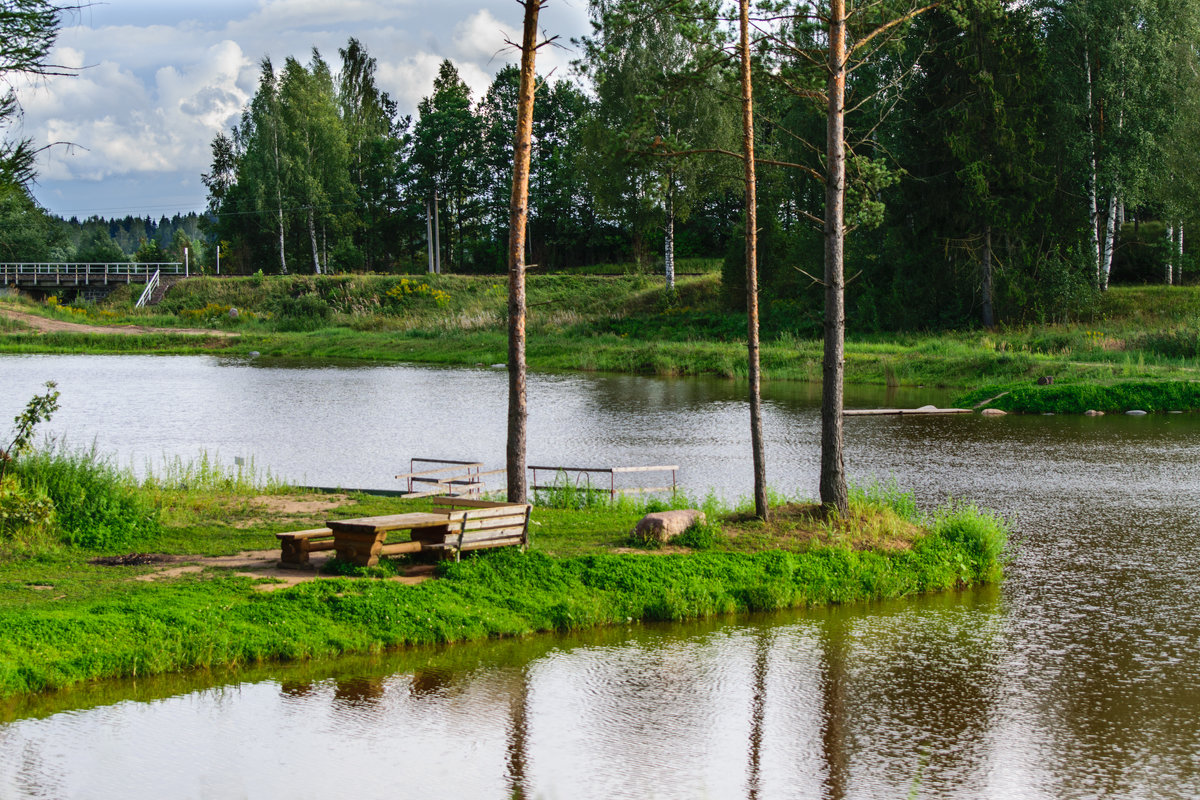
1079, 677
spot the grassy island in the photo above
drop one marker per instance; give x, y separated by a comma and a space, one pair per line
82, 598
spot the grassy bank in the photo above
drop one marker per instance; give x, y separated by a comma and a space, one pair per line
1078, 398
619, 323
67, 619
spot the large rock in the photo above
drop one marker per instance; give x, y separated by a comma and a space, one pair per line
663, 526
993, 412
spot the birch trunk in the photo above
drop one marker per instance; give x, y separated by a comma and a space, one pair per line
1170, 255
279, 199
312, 235
757, 448
986, 278
834, 494
1179, 254
669, 244
518, 413
1093, 177
282, 254
1110, 234
437, 237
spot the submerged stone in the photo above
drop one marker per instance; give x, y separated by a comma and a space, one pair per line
1135, 413
993, 412
1091, 412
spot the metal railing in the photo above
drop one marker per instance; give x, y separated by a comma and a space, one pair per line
581, 478
82, 273
148, 292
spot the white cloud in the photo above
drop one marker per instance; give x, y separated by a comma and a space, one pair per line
123, 126
151, 97
482, 37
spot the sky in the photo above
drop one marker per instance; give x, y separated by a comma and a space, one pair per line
156, 81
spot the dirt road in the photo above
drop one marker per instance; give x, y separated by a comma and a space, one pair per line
46, 325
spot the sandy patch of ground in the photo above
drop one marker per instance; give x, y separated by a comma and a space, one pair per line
46, 325
262, 564
302, 505
291, 509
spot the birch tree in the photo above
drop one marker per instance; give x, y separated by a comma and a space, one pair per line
658, 97
260, 139
1111, 71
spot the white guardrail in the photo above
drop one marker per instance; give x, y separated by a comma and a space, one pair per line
148, 292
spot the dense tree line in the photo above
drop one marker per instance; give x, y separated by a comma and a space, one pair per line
999, 156
1005, 160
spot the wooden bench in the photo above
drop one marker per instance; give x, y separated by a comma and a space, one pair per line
294, 546
477, 524
455, 524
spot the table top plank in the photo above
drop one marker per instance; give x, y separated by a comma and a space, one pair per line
389, 522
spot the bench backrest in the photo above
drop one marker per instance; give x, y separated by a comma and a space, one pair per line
485, 519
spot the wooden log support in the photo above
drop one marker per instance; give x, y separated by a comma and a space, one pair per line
295, 546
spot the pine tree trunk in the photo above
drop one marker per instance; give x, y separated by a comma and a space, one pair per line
761, 510
834, 493
429, 235
518, 208
437, 237
986, 278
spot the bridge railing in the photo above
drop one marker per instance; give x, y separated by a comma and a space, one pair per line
83, 272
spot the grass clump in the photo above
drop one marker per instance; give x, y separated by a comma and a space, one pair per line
97, 506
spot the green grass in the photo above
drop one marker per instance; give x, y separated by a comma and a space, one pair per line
1076, 398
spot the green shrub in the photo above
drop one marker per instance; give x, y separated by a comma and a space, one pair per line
97, 506
981, 537
304, 313
700, 536
26, 513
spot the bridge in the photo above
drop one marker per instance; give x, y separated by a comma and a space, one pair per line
89, 278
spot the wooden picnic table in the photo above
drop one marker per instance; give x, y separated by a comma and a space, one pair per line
363, 540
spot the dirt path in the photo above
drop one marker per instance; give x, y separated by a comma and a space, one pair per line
47, 325
259, 564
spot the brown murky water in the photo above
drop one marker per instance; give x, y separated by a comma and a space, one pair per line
1078, 678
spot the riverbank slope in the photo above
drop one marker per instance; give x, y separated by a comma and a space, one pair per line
610, 323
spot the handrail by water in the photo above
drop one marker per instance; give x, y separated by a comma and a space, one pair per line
583, 479
148, 292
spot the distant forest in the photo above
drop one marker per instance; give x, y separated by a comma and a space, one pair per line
1006, 160
133, 238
